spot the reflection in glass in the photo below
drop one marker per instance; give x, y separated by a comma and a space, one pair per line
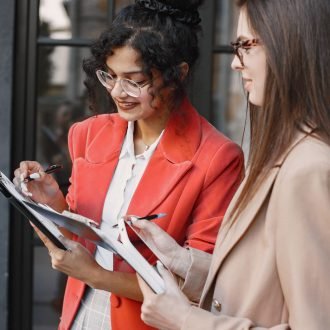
225, 22
229, 101
61, 101
74, 18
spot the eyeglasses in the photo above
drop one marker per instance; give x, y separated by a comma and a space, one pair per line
241, 47
130, 87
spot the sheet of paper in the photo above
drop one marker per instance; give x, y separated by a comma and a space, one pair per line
85, 228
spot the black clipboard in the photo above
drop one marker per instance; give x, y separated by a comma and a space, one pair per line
4, 185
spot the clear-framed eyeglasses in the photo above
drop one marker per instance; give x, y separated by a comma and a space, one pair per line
241, 47
130, 87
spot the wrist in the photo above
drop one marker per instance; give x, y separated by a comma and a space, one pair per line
58, 202
183, 314
180, 262
95, 277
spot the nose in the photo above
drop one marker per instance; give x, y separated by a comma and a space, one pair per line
117, 90
236, 64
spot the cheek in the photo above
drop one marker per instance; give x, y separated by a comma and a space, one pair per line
149, 101
259, 81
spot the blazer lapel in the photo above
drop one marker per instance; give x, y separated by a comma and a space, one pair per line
171, 160
160, 178
95, 171
232, 231
106, 142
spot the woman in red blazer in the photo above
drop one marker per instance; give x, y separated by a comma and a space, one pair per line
190, 172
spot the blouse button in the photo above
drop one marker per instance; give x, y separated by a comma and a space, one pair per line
217, 305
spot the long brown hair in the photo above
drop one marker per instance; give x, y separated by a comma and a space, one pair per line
296, 37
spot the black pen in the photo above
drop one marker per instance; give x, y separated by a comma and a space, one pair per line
152, 216
48, 170
147, 217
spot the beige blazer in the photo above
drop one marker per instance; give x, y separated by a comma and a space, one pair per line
271, 267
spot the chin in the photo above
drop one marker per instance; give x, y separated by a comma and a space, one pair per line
127, 116
255, 100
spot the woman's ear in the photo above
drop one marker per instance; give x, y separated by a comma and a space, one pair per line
184, 68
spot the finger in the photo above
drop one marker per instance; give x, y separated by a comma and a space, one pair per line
47, 242
146, 291
30, 166
24, 189
170, 283
69, 244
147, 227
17, 182
17, 174
25, 168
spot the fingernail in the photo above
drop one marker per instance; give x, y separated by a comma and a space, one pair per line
134, 219
26, 193
23, 186
35, 175
160, 265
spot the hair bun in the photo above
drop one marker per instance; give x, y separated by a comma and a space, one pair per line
189, 15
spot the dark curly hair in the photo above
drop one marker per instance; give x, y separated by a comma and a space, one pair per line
164, 33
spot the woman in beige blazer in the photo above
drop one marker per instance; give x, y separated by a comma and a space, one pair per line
271, 264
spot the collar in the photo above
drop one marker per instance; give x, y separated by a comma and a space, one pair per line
180, 140
300, 135
183, 133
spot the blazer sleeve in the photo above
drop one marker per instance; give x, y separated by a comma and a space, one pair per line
196, 274
224, 173
300, 211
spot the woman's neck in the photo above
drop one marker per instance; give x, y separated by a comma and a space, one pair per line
146, 132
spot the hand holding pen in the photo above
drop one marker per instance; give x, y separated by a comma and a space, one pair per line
45, 189
50, 169
131, 218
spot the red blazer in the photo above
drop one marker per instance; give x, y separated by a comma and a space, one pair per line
191, 177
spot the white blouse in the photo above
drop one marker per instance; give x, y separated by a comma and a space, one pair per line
94, 311
126, 178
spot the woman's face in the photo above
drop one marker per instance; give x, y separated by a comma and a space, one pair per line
124, 64
254, 59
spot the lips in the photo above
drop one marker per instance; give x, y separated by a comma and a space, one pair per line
126, 105
247, 84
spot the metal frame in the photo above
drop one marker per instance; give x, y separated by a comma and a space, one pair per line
201, 88
7, 9
21, 262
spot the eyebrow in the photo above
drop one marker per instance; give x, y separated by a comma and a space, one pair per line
128, 72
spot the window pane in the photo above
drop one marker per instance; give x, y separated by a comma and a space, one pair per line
48, 289
119, 4
65, 19
61, 100
225, 22
228, 100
